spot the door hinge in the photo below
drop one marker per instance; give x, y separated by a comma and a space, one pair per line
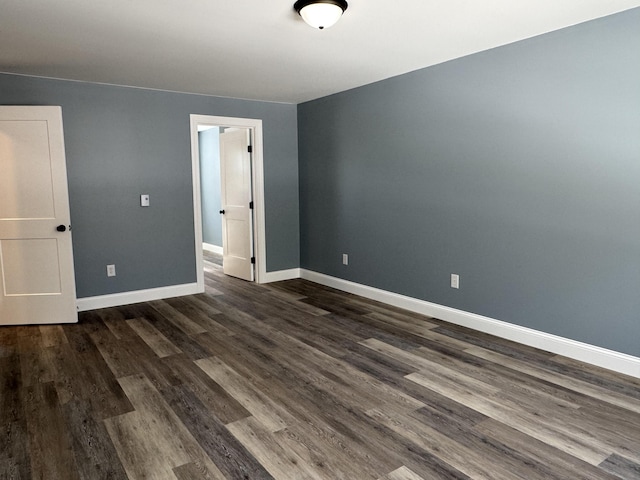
253, 260
250, 149
251, 205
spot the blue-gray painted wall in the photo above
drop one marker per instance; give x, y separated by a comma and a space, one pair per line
210, 189
122, 142
517, 168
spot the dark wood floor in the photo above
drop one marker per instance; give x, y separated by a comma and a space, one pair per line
298, 381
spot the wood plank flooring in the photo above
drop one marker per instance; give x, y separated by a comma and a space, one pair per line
298, 381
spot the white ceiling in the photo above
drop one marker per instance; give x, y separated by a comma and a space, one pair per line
261, 49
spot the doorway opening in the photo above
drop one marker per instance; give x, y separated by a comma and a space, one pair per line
240, 199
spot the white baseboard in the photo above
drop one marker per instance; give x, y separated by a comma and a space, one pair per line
137, 296
212, 248
602, 357
281, 275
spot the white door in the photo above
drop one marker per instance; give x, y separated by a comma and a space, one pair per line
237, 227
37, 283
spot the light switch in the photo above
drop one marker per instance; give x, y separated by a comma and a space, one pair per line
144, 200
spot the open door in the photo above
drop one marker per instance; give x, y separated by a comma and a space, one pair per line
37, 283
237, 226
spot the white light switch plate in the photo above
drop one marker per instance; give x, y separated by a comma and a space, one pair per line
144, 200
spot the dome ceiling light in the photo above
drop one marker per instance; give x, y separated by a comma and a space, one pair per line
320, 14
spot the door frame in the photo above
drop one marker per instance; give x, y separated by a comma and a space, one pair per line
257, 180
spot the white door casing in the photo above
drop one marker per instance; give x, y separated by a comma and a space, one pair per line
37, 283
259, 238
235, 193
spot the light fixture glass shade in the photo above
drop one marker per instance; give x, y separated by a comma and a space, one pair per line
321, 15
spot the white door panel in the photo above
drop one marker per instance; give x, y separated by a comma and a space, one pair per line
27, 140
30, 266
237, 233
37, 282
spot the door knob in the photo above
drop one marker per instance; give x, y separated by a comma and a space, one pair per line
61, 228
222, 212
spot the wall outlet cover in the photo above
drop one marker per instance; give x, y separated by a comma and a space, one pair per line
111, 270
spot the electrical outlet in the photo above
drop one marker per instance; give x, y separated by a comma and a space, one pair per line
345, 259
111, 270
455, 280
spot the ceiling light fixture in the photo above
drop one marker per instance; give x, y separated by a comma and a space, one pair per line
320, 13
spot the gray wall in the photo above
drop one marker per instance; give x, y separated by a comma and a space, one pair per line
517, 168
122, 142
210, 189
